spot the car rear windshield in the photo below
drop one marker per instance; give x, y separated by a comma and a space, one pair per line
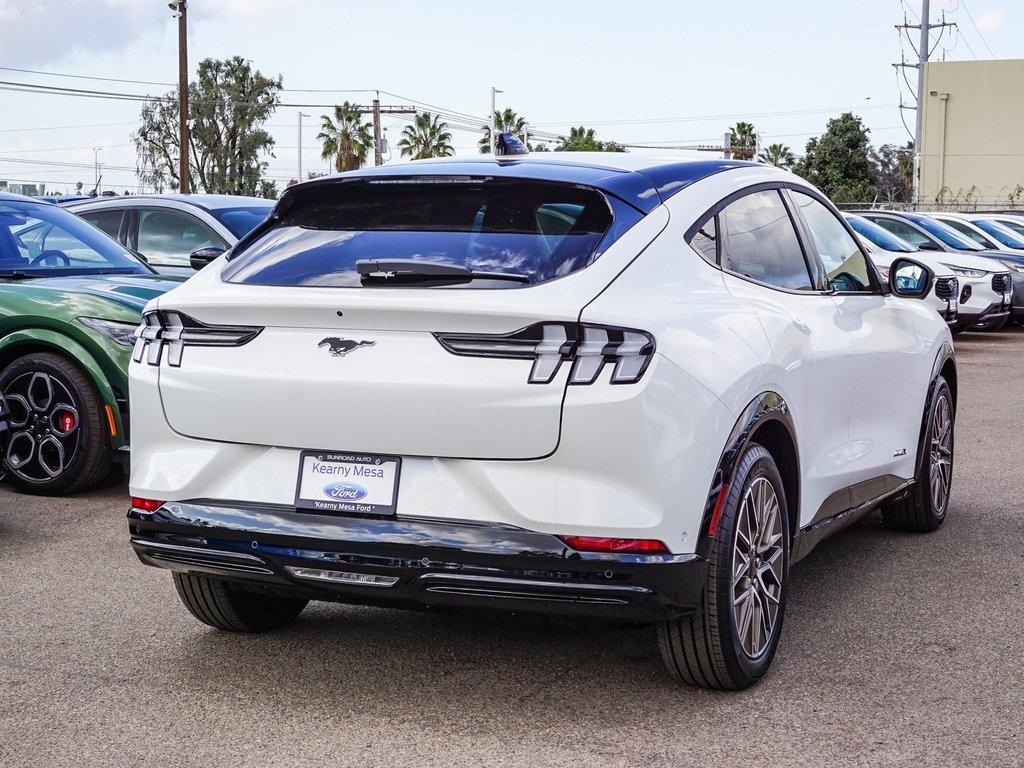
242, 220
537, 230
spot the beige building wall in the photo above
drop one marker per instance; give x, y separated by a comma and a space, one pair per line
973, 131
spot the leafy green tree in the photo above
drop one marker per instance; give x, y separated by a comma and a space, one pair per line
228, 105
346, 138
743, 141
839, 161
583, 140
428, 136
506, 121
778, 155
894, 168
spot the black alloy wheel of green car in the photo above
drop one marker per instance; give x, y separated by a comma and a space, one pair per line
56, 441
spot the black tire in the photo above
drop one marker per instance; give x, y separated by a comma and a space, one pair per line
228, 606
922, 510
84, 460
706, 649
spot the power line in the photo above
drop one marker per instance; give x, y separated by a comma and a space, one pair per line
752, 115
963, 4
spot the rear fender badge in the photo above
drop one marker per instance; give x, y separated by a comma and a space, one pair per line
900, 452
341, 347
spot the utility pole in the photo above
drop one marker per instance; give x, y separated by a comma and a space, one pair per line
378, 156
923, 52
184, 141
494, 137
301, 115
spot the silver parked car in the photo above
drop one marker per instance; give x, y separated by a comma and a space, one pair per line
175, 233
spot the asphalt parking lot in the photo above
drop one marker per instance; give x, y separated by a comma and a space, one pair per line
898, 650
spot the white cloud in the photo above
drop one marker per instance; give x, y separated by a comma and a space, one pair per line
991, 20
35, 32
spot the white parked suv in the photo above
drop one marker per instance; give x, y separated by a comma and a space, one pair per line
883, 248
586, 385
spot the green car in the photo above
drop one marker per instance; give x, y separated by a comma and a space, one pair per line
70, 301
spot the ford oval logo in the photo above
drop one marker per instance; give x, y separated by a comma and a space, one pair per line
345, 491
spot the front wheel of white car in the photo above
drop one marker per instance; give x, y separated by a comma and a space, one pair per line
730, 641
924, 507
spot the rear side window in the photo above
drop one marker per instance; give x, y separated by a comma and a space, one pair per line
705, 240
539, 230
760, 242
108, 222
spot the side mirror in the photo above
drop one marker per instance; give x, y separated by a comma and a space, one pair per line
927, 246
200, 257
910, 279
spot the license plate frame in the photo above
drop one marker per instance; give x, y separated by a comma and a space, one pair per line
360, 468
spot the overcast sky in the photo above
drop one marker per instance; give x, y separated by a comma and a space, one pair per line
643, 72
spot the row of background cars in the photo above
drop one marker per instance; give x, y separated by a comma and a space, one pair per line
983, 251
71, 298
72, 290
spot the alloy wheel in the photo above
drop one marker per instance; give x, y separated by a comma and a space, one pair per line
757, 567
941, 454
44, 426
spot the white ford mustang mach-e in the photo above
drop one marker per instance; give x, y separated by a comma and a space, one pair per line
593, 385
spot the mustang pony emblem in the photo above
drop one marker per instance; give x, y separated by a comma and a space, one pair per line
341, 347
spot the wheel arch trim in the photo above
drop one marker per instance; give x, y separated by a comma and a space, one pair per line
767, 408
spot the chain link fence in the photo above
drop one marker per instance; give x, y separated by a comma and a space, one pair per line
933, 206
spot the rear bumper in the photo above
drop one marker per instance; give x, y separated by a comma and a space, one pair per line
415, 563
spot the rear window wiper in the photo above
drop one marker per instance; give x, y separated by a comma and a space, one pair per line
398, 271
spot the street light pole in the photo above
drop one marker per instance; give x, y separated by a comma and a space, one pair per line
96, 166
301, 115
494, 138
184, 141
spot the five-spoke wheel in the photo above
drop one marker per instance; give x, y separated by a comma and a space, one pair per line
56, 440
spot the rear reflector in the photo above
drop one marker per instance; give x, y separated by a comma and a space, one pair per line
716, 515
601, 544
146, 505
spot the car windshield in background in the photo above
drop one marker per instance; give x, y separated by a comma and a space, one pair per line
999, 232
882, 238
536, 230
241, 221
946, 234
39, 240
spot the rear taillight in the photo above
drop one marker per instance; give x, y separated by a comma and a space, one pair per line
603, 544
174, 331
146, 505
588, 347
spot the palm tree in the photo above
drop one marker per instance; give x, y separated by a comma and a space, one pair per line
346, 138
583, 140
579, 140
506, 121
778, 155
426, 137
743, 141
